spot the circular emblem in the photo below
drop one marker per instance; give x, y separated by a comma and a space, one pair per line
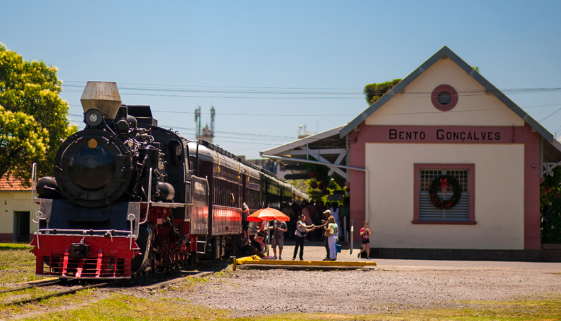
92, 143
444, 97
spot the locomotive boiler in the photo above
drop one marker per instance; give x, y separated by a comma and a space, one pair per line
128, 197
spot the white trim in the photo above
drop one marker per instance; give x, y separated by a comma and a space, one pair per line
302, 142
313, 152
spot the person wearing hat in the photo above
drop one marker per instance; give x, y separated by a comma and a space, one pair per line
324, 223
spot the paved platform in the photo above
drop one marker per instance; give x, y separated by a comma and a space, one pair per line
314, 251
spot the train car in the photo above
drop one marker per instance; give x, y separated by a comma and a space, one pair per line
129, 197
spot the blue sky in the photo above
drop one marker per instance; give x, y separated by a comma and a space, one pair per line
318, 54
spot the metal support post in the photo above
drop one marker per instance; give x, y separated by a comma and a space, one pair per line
351, 243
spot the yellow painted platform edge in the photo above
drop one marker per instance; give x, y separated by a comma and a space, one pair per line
306, 263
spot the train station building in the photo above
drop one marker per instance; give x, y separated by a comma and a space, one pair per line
443, 161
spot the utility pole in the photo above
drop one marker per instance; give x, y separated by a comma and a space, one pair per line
212, 113
198, 122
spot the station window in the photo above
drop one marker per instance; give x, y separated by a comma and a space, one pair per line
427, 210
444, 97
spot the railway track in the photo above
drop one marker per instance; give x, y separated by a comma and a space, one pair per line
33, 285
159, 280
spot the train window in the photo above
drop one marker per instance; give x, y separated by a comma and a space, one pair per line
176, 153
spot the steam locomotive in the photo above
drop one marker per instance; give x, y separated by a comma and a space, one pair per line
129, 197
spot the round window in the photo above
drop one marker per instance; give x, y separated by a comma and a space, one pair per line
444, 97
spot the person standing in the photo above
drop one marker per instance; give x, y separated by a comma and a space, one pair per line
288, 211
300, 235
245, 223
325, 237
331, 235
335, 213
278, 237
365, 238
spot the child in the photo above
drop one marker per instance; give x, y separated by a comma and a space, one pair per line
365, 237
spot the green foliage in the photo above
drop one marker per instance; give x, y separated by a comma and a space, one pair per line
374, 91
22, 140
436, 185
319, 172
550, 188
317, 194
298, 183
552, 224
29, 90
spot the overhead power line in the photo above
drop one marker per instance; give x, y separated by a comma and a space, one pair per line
278, 92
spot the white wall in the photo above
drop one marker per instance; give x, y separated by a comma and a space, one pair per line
15, 201
499, 196
474, 107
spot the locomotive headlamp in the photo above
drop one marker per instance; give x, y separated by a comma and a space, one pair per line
94, 117
92, 143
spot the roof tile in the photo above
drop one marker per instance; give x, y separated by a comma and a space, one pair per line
9, 183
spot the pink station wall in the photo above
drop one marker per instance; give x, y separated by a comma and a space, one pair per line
520, 135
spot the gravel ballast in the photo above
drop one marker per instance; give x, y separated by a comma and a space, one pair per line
257, 292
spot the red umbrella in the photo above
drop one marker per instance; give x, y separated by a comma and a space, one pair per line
268, 214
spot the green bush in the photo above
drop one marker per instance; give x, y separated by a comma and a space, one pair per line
552, 224
374, 91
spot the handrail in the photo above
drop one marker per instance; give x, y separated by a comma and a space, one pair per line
149, 196
33, 187
79, 230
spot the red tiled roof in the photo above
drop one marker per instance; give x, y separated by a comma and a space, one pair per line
8, 183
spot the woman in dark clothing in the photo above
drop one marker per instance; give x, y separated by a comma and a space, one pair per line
300, 235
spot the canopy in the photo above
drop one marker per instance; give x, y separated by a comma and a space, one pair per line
268, 214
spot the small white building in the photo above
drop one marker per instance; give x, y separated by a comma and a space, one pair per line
15, 209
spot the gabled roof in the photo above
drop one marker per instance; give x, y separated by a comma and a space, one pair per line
445, 51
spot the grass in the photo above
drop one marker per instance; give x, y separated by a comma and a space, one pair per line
17, 264
15, 246
116, 306
127, 307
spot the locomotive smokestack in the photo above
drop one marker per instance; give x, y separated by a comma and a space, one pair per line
103, 96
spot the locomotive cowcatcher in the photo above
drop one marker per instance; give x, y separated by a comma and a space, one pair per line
129, 197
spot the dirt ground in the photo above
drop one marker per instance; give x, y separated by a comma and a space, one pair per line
257, 292
393, 285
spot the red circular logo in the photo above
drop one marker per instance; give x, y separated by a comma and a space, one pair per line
444, 97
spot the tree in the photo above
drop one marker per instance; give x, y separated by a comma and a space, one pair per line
29, 93
374, 91
550, 203
22, 140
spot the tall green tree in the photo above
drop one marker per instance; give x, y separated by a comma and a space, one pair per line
374, 91
22, 140
29, 95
